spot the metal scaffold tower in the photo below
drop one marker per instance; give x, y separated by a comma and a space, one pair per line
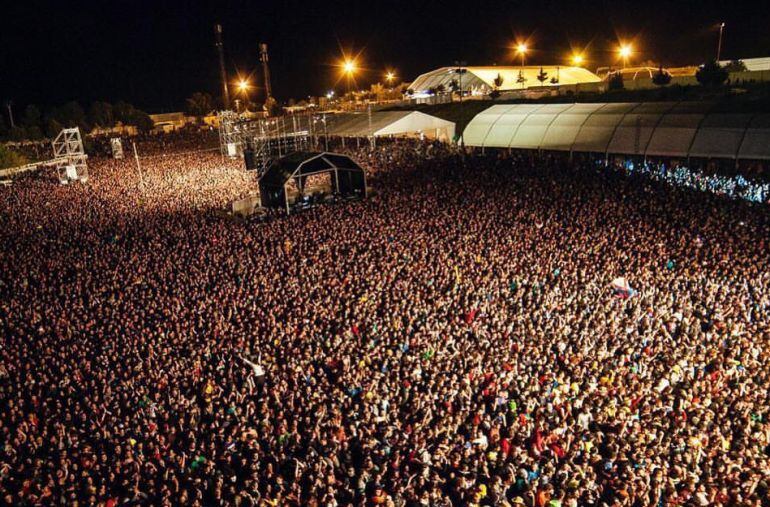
70, 156
267, 138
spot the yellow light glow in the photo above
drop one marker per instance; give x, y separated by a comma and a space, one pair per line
521, 48
577, 60
625, 50
349, 66
390, 76
243, 85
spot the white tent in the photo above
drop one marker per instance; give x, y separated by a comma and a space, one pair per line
481, 80
391, 123
685, 129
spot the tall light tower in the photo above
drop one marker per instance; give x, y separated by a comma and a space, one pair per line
719, 45
266, 71
222, 73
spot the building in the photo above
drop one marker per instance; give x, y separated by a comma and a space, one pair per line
168, 122
481, 80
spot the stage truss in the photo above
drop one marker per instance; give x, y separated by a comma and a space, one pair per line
269, 138
69, 159
70, 156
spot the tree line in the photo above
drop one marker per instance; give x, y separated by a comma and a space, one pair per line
35, 124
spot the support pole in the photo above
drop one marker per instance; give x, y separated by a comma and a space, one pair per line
719, 45
222, 72
138, 166
266, 71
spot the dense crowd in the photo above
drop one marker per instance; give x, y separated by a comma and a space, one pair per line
734, 186
452, 340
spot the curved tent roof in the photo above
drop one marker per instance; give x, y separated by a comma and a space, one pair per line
304, 163
503, 131
566, 125
481, 79
599, 128
756, 141
659, 128
720, 135
533, 128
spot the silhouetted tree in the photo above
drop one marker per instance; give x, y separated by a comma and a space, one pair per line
72, 114
142, 121
542, 76
711, 74
122, 112
615, 81
101, 114
735, 66
199, 104
521, 79
661, 77
496, 83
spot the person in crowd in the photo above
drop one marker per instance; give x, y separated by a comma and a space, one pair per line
453, 340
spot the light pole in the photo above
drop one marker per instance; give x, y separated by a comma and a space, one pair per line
9, 105
719, 45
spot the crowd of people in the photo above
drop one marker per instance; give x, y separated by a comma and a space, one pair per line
452, 340
734, 186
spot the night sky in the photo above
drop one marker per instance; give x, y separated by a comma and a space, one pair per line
154, 54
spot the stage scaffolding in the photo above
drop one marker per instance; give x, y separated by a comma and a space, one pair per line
269, 138
68, 150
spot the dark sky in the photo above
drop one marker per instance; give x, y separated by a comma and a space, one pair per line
155, 53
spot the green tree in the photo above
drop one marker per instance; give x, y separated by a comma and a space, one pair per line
9, 158
615, 81
711, 74
661, 77
199, 104
542, 76
101, 114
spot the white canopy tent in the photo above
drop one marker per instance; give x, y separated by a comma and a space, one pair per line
390, 123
